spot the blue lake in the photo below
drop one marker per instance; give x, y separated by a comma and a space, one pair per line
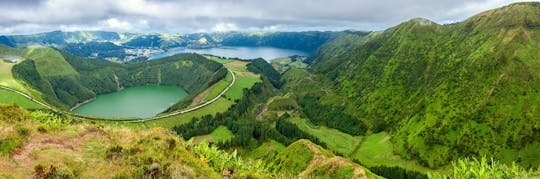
268, 53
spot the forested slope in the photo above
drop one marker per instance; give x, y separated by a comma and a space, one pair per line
448, 91
65, 79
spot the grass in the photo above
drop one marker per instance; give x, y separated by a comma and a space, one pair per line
6, 77
218, 135
221, 105
65, 150
237, 90
238, 66
50, 62
377, 149
217, 59
333, 138
8, 97
295, 158
218, 88
267, 148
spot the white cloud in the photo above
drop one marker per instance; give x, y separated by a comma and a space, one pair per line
226, 15
114, 23
224, 27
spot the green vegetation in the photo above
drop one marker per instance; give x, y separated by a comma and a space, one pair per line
228, 164
220, 134
216, 89
266, 150
221, 105
218, 59
42, 144
6, 78
283, 64
236, 91
334, 139
484, 168
65, 80
446, 92
307, 160
9, 97
377, 149
295, 158
260, 66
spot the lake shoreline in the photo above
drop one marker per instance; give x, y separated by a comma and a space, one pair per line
140, 101
81, 103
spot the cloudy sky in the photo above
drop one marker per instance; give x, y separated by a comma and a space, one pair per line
188, 16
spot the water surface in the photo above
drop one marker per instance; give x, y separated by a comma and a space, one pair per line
141, 101
268, 53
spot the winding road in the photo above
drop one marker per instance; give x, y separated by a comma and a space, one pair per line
126, 120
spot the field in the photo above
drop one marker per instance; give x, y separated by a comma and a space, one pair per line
218, 87
219, 134
373, 150
265, 149
50, 62
334, 139
377, 149
6, 78
217, 59
221, 105
237, 90
238, 66
8, 97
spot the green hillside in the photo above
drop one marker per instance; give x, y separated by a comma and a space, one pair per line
447, 91
45, 145
65, 80
306, 160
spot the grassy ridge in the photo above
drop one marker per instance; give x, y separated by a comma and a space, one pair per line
6, 78
334, 139
41, 144
236, 91
371, 150
220, 134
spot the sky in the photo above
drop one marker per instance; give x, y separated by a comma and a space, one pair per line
191, 16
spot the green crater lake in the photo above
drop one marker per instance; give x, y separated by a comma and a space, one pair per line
140, 101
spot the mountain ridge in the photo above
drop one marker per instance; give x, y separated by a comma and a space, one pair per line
436, 86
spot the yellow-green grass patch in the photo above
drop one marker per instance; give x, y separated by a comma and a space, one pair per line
217, 59
239, 66
334, 139
9, 97
50, 62
237, 90
267, 148
217, 88
377, 149
219, 106
6, 77
220, 134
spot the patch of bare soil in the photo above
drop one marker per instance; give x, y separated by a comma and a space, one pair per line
235, 64
199, 99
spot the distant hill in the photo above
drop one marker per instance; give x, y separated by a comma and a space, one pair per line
105, 45
446, 91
